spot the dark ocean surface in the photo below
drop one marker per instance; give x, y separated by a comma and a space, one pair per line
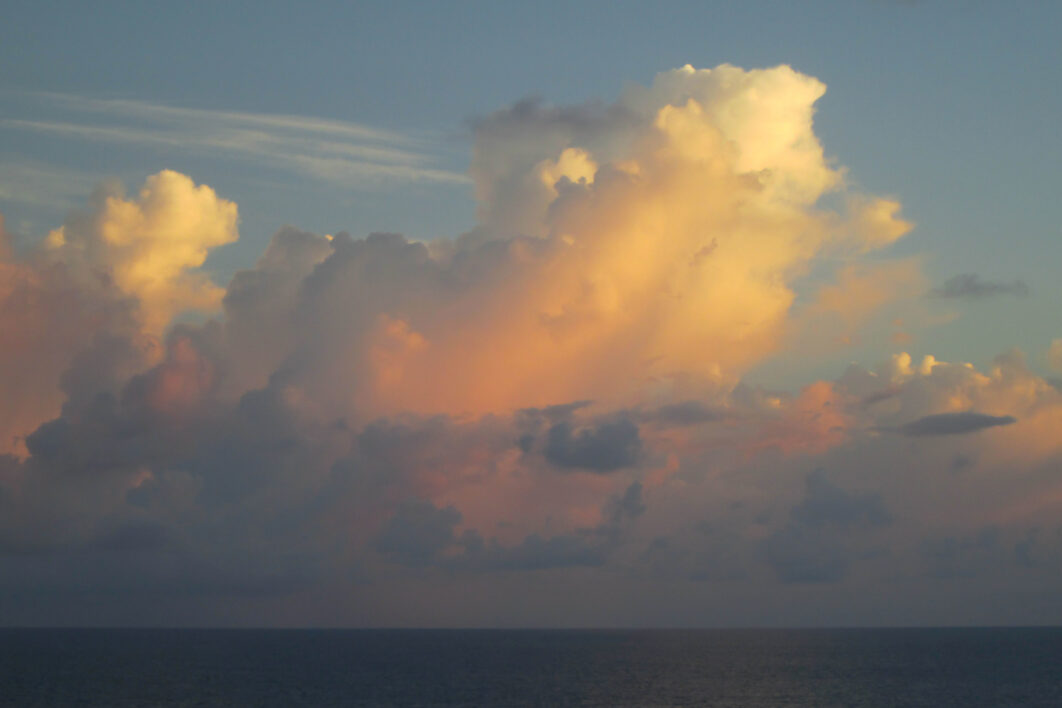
871, 667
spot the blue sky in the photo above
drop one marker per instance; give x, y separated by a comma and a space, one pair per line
574, 406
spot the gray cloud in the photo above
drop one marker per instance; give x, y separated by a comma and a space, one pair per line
418, 532
963, 556
827, 532
799, 556
826, 504
970, 286
587, 547
535, 552
953, 424
602, 448
628, 506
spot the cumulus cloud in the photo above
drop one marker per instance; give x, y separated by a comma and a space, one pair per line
150, 246
86, 308
555, 396
52, 315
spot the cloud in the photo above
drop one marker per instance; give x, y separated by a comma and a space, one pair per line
1054, 355
826, 504
534, 553
43, 185
954, 424
150, 246
602, 448
418, 532
53, 315
821, 540
84, 310
328, 150
970, 286
589, 275
582, 547
549, 407
682, 413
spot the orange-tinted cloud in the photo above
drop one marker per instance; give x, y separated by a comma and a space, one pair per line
558, 390
640, 248
123, 268
152, 245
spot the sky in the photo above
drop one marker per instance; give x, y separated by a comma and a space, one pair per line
565, 314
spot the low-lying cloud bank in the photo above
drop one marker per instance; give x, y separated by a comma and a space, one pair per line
541, 422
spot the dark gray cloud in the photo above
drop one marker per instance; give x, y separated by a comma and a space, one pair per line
535, 552
826, 504
604, 447
963, 556
144, 536
970, 286
828, 531
953, 424
587, 547
628, 506
418, 532
799, 556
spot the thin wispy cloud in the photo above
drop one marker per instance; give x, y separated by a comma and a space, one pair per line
44, 185
158, 111
348, 154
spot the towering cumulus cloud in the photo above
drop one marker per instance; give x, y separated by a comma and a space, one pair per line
376, 430
110, 279
622, 251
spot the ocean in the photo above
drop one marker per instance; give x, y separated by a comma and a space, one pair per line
725, 668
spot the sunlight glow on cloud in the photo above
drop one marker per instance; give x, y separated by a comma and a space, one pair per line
558, 391
152, 245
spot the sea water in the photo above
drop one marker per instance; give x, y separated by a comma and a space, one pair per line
756, 668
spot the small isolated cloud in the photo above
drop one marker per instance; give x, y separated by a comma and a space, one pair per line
953, 424
970, 286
